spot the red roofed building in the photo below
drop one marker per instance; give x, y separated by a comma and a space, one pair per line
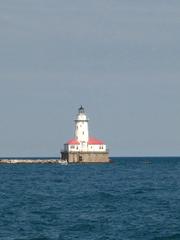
73, 142
83, 148
94, 141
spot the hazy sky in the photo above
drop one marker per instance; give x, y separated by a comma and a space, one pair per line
118, 58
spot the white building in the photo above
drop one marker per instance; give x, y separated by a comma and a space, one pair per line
82, 143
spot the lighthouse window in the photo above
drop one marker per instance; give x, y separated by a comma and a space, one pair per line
83, 133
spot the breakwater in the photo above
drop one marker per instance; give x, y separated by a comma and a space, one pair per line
31, 161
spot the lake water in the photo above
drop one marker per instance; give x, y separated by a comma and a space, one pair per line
131, 198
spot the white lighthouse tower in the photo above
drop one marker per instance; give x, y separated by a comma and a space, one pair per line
83, 148
82, 129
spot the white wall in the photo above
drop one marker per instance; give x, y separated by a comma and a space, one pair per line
97, 148
85, 148
74, 148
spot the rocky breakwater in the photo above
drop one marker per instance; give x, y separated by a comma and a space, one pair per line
32, 161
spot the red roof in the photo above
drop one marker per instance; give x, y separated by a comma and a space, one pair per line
73, 142
94, 141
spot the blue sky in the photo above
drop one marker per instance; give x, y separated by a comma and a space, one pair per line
120, 59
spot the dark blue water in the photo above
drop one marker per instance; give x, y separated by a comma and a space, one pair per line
132, 198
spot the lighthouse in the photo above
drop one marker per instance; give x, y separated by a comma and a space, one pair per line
83, 148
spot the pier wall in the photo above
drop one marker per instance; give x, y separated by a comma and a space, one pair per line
86, 157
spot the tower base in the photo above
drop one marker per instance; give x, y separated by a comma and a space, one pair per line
85, 157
